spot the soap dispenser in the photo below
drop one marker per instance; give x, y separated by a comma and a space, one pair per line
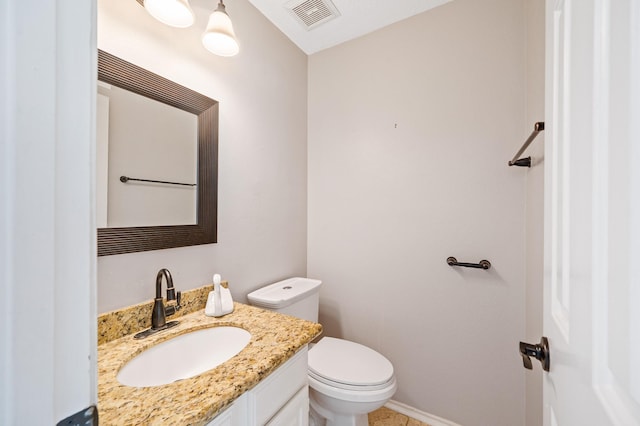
219, 301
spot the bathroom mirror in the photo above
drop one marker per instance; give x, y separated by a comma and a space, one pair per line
119, 240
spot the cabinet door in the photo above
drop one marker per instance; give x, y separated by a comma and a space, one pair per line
234, 415
274, 392
223, 419
282, 398
295, 412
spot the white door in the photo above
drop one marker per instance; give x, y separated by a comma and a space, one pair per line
592, 213
47, 227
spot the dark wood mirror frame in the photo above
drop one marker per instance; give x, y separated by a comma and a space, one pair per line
115, 71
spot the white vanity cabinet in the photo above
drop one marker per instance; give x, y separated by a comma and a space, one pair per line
280, 399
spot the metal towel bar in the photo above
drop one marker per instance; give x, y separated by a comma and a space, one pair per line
483, 264
125, 179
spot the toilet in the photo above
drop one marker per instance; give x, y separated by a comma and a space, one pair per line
347, 380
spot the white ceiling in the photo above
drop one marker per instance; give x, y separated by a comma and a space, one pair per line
357, 18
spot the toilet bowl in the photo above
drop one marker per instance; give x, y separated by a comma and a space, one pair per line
347, 380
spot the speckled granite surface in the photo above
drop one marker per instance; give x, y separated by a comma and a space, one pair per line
274, 339
115, 324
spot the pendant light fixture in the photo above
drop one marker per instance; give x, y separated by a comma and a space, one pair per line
175, 13
219, 37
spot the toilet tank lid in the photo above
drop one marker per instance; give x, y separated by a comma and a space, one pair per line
284, 293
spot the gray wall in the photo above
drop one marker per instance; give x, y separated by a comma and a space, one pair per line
263, 131
410, 131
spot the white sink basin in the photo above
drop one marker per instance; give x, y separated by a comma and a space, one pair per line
184, 356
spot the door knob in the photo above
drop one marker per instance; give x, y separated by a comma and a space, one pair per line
539, 351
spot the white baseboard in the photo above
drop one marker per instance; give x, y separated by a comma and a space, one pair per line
418, 415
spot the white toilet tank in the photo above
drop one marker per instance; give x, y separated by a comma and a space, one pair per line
298, 297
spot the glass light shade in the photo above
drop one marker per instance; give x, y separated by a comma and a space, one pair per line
175, 13
219, 37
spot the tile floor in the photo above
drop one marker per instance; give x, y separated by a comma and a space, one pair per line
387, 417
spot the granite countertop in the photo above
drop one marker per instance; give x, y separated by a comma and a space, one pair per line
274, 339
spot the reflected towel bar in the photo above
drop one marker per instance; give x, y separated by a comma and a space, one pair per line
526, 162
125, 179
484, 264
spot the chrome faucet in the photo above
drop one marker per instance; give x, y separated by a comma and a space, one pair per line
160, 311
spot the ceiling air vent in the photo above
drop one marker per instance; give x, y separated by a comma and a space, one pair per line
311, 13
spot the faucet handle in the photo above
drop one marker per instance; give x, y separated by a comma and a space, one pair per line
178, 300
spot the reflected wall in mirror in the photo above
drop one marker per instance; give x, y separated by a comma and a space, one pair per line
199, 145
141, 138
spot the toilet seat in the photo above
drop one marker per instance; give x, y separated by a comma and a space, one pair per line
345, 386
320, 390
348, 365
